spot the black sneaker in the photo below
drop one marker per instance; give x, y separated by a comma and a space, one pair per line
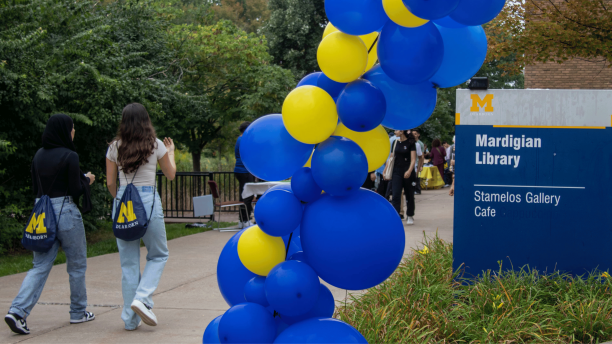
17, 323
88, 316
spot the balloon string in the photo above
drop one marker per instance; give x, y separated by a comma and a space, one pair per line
288, 243
373, 44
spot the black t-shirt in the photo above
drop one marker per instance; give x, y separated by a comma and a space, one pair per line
403, 155
60, 162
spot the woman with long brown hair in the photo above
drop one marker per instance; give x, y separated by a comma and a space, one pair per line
134, 153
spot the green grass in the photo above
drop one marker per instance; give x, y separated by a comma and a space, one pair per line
423, 302
99, 242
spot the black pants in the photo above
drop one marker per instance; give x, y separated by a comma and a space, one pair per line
417, 188
398, 182
244, 178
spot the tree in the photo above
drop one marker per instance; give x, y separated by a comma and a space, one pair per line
294, 31
249, 15
552, 31
231, 70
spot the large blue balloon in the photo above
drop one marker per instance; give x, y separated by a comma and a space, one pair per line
269, 152
465, 50
278, 212
292, 288
324, 308
280, 325
361, 106
408, 106
448, 22
211, 334
339, 166
356, 17
321, 330
477, 12
299, 256
310, 79
296, 243
340, 245
304, 186
431, 9
255, 291
410, 55
247, 323
231, 273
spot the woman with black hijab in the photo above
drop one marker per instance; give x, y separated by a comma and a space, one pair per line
56, 173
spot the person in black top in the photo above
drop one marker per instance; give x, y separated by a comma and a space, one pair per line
56, 173
404, 176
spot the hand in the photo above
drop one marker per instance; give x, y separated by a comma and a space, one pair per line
451, 192
407, 174
373, 176
420, 169
92, 177
169, 144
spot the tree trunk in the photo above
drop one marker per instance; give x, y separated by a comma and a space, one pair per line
195, 157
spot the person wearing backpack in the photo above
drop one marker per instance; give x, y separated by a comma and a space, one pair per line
57, 180
134, 153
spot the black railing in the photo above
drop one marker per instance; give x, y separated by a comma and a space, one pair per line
177, 195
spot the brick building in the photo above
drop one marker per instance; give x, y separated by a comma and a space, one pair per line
573, 74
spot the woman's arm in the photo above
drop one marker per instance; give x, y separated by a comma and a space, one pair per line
167, 163
111, 177
412, 161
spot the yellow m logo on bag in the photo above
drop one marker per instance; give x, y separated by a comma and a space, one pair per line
37, 224
477, 103
126, 214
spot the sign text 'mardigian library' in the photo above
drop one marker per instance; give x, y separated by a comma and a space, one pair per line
508, 141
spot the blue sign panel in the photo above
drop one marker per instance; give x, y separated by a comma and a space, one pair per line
533, 196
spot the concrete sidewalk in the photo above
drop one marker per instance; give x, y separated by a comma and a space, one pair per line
187, 298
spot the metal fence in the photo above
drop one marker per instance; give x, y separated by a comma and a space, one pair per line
177, 195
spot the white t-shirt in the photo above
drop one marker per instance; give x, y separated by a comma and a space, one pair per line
145, 176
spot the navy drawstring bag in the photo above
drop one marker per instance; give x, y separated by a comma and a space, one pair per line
131, 222
40, 233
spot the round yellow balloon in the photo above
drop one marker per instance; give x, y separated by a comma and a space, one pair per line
367, 40
342, 57
260, 252
397, 11
374, 143
309, 114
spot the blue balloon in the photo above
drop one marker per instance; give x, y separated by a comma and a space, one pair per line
282, 186
361, 106
339, 166
309, 80
231, 273
333, 88
477, 12
321, 330
255, 292
211, 334
465, 50
448, 22
269, 152
304, 186
296, 243
292, 288
278, 212
356, 17
280, 325
324, 308
408, 106
431, 9
410, 55
299, 256
365, 258
247, 323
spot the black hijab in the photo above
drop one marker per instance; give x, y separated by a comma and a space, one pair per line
58, 132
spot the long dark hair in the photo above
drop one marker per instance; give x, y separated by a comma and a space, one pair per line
409, 136
436, 143
138, 138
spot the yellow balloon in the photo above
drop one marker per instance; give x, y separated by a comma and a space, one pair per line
309, 160
374, 143
342, 57
367, 40
397, 11
260, 252
309, 114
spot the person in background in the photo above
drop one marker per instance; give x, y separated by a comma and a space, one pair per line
370, 181
244, 176
420, 159
404, 175
56, 173
438, 157
452, 168
135, 153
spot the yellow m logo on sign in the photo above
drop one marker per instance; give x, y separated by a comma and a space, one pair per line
37, 224
477, 103
126, 214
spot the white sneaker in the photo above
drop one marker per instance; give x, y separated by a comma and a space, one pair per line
409, 220
246, 224
145, 313
88, 316
134, 329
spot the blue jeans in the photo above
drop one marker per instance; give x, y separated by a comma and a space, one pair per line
134, 286
71, 236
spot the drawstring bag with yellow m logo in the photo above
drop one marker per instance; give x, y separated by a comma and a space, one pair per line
131, 222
